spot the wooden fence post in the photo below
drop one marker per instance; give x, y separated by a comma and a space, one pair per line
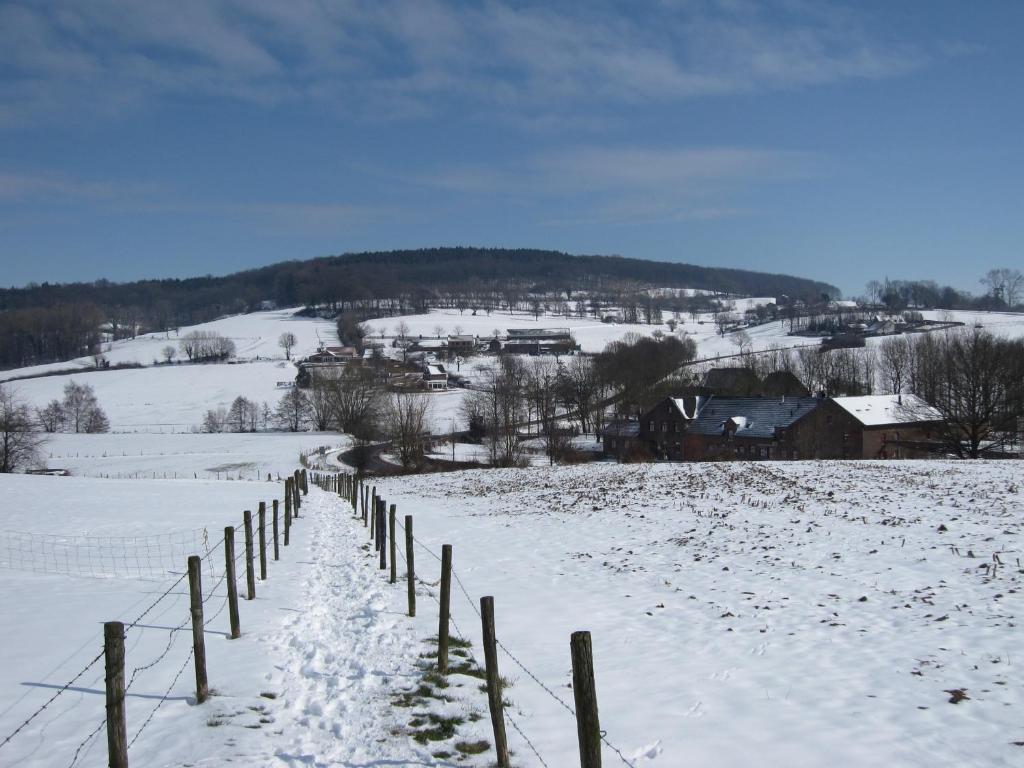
262, 521
287, 515
277, 551
296, 495
305, 483
250, 569
393, 544
410, 567
117, 729
232, 582
494, 693
382, 527
288, 498
446, 607
587, 725
195, 595
373, 520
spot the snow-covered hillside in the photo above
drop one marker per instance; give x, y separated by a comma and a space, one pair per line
255, 335
173, 398
592, 335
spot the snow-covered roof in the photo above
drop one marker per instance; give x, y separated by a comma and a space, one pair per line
435, 370
740, 422
879, 410
680, 404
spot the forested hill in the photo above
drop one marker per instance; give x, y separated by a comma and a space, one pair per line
386, 274
48, 322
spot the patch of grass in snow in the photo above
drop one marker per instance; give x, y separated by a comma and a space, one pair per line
441, 728
453, 642
473, 747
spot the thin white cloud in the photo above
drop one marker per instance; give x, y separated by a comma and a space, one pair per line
408, 58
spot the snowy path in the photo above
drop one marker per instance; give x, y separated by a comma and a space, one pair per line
344, 649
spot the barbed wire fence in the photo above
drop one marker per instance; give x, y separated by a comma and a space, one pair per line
356, 496
142, 557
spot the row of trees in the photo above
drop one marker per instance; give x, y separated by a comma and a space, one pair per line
79, 411
975, 380
351, 400
1003, 289
203, 346
23, 429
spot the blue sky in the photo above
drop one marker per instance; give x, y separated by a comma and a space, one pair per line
842, 142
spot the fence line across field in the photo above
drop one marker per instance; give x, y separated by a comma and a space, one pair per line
140, 557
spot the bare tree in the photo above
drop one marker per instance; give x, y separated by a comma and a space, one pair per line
402, 329
320, 399
291, 410
542, 397
287, 341
583, 392
742, 341
1004, 285
357, 400
242, 415
406, 425
51, 417
81, 409
214, 420
500, 406
894, 363
20, 443
973, 381
169, 353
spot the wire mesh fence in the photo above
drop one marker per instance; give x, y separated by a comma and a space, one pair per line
140, 557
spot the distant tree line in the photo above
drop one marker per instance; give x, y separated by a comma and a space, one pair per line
1003, 290
59, 321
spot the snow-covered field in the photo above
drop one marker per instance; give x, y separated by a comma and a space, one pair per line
801, 613
184, 455
173, 398
792, 613
1006, 324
